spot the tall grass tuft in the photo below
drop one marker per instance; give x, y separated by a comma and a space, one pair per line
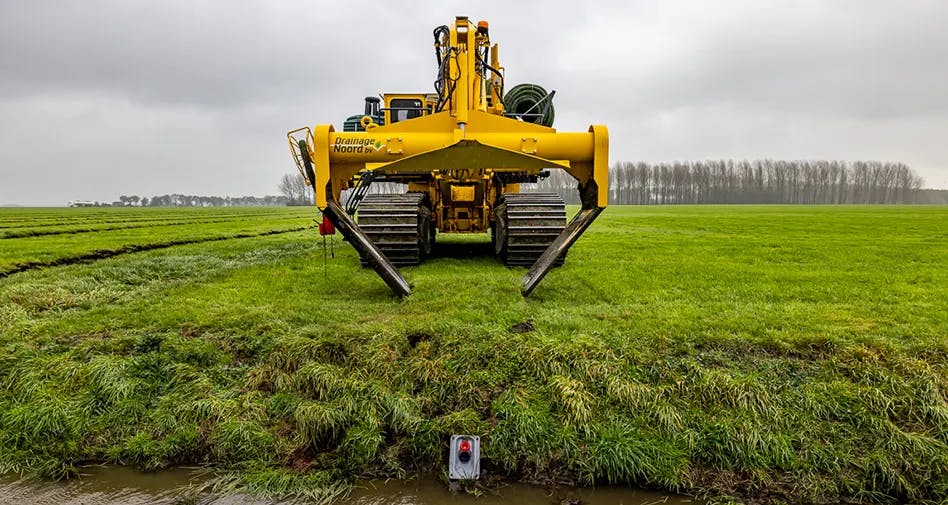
576, 403
316, 487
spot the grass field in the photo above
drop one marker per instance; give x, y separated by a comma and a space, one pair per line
81, 234
766, 353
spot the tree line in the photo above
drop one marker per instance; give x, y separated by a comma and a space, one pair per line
641, 183
179, 200
751, 181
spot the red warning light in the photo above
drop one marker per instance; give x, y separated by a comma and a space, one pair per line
464, 450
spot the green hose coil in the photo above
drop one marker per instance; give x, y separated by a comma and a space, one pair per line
525, 99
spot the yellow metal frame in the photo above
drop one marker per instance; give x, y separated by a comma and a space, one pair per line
470, 133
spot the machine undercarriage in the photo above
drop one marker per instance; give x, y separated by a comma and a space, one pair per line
402, 227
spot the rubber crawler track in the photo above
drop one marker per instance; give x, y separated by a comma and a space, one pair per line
398, 225
527, 224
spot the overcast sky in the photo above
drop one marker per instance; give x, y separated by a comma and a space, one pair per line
103, 98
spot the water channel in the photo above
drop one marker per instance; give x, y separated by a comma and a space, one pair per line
125, 486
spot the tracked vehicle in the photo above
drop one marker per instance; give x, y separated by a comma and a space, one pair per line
463, 152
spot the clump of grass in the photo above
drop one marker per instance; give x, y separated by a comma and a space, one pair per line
320, 422
320, 381
241, 440
317, 487
528, 439
715, 386
571, 396
621, 454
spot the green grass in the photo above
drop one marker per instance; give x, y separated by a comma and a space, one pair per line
768, 353
34, 217
34, 241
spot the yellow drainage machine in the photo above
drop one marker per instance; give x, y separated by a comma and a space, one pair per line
463, 152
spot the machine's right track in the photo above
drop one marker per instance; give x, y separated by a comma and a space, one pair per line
399, 225
526, 224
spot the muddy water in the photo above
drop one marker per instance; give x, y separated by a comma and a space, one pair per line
124, 486
430, 491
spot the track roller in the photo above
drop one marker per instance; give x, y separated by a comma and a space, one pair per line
525, 226
399, 225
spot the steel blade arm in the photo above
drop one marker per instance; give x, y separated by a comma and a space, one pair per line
560, 245
351, 231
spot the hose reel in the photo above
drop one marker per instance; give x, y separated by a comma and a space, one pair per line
530, 103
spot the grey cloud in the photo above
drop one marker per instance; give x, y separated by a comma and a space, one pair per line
154, 97
206, 54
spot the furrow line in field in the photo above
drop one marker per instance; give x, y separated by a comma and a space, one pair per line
16, 225
99, 254
43, 233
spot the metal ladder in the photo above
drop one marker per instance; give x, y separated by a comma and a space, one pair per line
359, 190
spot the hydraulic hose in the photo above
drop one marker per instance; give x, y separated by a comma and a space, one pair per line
531, 102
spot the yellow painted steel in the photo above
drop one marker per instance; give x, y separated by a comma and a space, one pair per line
470, 132
462, 193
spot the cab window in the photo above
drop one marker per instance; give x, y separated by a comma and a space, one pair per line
405, 108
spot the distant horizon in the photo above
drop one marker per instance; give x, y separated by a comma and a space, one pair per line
66, 205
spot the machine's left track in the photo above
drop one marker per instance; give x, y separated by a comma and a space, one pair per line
399, 225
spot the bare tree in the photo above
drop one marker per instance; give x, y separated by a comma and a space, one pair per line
294, 188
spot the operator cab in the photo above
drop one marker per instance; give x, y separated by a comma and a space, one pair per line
392, 108
401, 107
